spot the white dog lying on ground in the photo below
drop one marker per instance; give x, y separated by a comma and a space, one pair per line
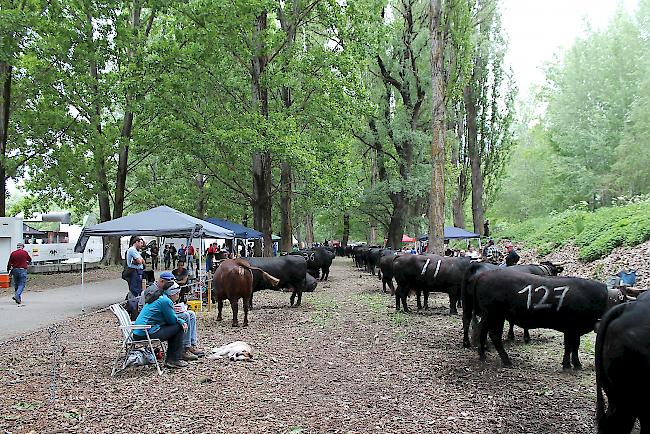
234, 351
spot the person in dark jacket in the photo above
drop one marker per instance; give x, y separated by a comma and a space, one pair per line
512, 257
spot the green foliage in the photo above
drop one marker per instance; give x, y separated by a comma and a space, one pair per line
591, 144
595, 233
609, 228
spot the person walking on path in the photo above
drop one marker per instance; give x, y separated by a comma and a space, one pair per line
136, 264
17, 266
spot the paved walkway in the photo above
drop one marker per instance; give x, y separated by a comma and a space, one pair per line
40, 309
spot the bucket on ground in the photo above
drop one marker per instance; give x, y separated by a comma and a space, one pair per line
5, 279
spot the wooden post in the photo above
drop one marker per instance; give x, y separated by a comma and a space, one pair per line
209, 276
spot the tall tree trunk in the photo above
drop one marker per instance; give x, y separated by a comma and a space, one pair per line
474, 159
397, 220
437, 202
346, 229
457, 161
285, 207
262, 200
298, 232
5, 110
372, 234
309, 228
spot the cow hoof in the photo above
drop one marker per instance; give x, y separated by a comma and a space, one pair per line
426, 307
453, 312
526, 341
482, 357
235, 324
419, 307
506, 365
577, 367
511, 337
566, 367
219, 318
466, 344
245, 324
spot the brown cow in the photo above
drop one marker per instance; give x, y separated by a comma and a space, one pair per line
234, 280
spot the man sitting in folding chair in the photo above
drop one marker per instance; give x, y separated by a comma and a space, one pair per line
165, 325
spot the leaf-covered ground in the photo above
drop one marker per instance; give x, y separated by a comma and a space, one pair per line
343, 362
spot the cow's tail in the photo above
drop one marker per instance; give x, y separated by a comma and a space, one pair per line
468, 291
468, 295
601, 378
246, 265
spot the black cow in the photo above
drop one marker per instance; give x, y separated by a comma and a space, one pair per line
543, 269
425, 273
374, 255
386, 272
360, 256
570, 305
318, 259
310, 283
291, 270
623, 367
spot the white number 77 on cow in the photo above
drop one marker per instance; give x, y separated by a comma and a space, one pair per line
544, 303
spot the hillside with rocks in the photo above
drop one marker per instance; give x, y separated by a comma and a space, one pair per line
600, 269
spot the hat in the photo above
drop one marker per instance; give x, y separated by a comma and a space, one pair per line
173, 289
167, 275
20, 245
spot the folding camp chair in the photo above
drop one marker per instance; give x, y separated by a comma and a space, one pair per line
128, 344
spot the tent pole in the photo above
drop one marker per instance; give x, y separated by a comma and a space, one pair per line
83, 288
200, 270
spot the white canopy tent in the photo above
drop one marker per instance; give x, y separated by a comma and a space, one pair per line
161, 221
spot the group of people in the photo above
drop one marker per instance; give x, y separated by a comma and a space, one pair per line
491, 253
160, 307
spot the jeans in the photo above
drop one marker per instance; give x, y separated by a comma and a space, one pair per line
189, 338
135, 282
190, 262
168, 262
154, 262
20, 279
173, 334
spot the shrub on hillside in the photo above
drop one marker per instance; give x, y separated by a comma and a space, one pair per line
609, 228
596, 233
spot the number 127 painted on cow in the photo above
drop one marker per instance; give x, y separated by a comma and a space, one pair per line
542, 304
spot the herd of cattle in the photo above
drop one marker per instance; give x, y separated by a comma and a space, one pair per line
529, 296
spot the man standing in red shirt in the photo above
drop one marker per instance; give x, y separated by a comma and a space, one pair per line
19, 261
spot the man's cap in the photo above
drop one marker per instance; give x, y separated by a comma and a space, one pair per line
173, 289
167, 275
20, 245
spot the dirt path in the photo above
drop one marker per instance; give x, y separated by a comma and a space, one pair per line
343, 362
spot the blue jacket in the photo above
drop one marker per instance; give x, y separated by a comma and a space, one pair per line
156, 314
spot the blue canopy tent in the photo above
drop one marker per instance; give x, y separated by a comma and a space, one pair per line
453, 233
241, 232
